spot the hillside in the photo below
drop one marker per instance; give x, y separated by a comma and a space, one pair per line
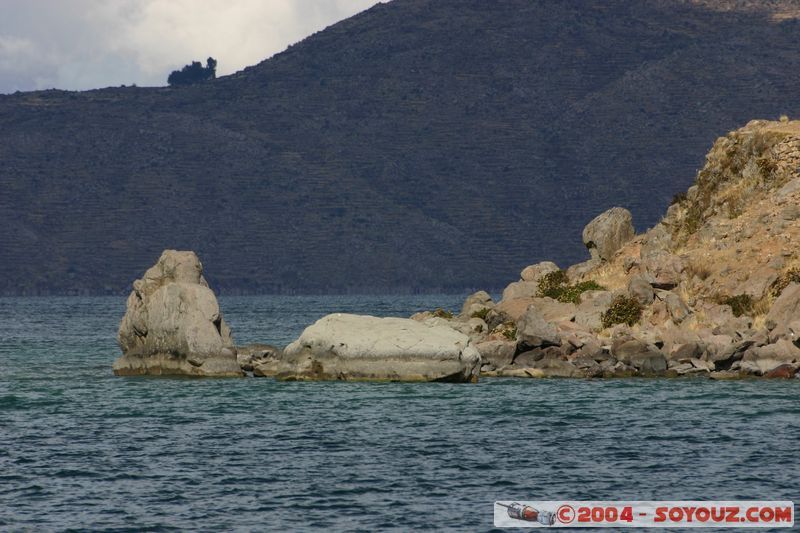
713, 289
420, 145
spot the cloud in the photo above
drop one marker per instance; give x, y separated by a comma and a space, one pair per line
83, 44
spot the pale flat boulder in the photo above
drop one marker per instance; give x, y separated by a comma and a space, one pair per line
354, 347
173, 324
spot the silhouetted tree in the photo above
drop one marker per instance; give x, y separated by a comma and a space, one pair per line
194, 73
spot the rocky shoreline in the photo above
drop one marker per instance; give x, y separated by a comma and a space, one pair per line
712, 290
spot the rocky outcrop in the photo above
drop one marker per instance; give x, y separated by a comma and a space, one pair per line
353, 347
607, 232
712, 290
173, 324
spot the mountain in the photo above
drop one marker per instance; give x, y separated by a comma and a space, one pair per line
420, 145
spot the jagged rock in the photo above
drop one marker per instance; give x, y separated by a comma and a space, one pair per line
685, 351
590, 311
497, 353
608, 232
575, 334
639, 355
716, 313
593, 350
252, 355
476, 302
760, 360
173, 325
534, 273
352, 347
641, 290
651, 362
784, 311
533, 330
675, 306
736, 327
662, 269
656, 239
759, 282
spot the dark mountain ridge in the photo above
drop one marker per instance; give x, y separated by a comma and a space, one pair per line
420, 145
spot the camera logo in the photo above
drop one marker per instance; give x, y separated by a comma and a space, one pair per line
527, 513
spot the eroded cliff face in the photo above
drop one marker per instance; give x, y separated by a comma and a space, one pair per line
710, 289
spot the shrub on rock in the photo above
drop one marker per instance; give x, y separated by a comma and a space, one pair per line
623, 310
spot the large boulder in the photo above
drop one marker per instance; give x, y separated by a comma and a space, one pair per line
353, 347
533, 330
784, 311
608, 232
497, 353
761, 360
173, 325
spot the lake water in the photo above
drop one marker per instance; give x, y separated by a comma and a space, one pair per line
83, 450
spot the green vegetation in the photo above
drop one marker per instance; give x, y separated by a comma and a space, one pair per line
442, 313
623, 310
556, 285
481, 313
194, 73
510, 331
790, 276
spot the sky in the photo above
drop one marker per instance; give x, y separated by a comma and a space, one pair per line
85, 44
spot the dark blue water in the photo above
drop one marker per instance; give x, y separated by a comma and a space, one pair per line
82, 450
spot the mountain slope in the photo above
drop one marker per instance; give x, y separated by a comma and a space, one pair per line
422, 144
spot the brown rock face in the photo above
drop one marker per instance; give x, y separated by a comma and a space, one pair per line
173, 325
782, 372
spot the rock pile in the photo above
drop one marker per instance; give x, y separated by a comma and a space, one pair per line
714, 289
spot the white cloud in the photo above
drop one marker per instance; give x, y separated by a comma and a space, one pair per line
82, 44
